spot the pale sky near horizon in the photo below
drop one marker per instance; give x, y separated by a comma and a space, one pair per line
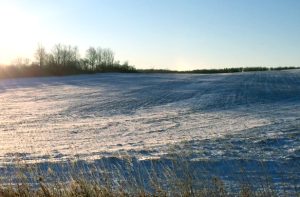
173, 34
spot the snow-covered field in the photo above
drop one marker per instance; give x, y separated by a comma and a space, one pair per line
251, 116
56, 118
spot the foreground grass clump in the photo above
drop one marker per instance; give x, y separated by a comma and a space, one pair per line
78, 188
132, 177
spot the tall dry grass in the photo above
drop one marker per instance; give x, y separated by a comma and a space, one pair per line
125, 179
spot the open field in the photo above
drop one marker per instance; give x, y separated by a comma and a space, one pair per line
225, 125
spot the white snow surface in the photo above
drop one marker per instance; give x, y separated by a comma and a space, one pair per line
147, 115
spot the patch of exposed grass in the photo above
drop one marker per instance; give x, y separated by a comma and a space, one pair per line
127, 180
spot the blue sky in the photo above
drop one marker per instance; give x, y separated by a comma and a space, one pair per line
174, 34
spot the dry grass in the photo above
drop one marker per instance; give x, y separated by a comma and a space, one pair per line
81, 188
30, 182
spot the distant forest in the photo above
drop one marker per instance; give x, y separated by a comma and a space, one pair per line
65, 60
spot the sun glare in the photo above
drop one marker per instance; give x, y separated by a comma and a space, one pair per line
18, 31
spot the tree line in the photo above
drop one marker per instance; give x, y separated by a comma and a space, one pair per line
220, 70
65, 60
95, 60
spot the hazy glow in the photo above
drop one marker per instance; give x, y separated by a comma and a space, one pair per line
18, 32
171, 34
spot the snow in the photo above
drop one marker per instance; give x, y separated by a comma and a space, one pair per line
149, 115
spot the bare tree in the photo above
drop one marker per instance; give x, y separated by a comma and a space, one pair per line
64, 55
57, 54
75, 54
99, 56
108, 57
91, 55
20, 61
41, 55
